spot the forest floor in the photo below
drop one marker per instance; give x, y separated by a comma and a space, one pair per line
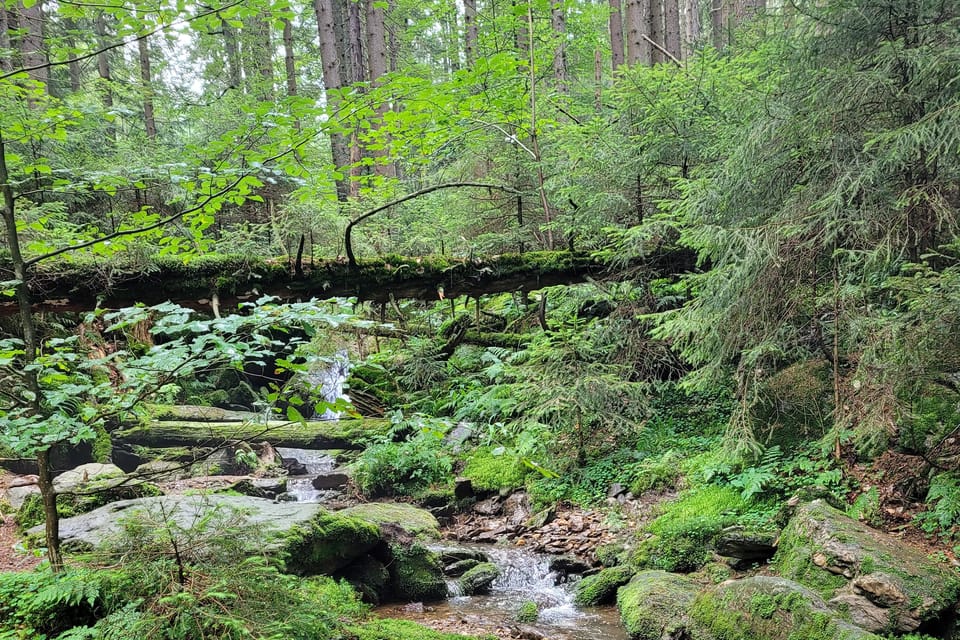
11, 557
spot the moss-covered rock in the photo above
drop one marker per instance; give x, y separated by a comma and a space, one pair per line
391, 629
327, 543
415, 574
86, 497
414, 521
528, 612
768, 608
864, 570
479, 579
601, 588
656, 605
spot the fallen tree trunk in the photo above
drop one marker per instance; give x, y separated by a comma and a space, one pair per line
331, 434
209, 281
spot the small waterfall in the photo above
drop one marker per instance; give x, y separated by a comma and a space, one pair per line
316, 462
526, 576
329, 374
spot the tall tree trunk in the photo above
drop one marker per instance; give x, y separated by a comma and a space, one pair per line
558, 21
289, 63
377, 63
718, 22
257, 57
671, 23
73, 67
656, 30
332, 81
470, 31
691, 26
146, 82
105, 86
232, 49
638, 26
30, 352
6, 57
616, 35
31, 42
393, 45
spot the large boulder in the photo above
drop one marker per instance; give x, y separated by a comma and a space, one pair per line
402, 518
82, 476
770, 608
655, 605
880, 582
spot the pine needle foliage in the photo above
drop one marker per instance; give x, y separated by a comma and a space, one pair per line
845, 178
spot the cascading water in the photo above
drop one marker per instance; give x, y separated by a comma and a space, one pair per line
316, 462
330, 380
524, 577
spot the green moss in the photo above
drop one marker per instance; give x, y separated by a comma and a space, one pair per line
489, 472
327, 543
764, 608
388, 629
416, 574
655, 605
102, 445
478, 579
601, 588
414, 520
528, 612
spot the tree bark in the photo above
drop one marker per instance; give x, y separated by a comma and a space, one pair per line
333, 82
558, 21
31, 42
24, 305
6, 25
718, 22
73, 67
232, 49
671, 34
617, 57
691, 26
146, 83
657, 32
377, 63
638, 25
105, 86
289, 63
470, 31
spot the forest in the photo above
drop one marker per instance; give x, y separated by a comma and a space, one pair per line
425, 320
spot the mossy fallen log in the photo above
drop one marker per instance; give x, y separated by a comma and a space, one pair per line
332, 434
81, 284
197, 413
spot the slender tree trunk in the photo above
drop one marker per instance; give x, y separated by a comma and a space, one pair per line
289, 63
671, 33
232, 49
31, 42
657, 30
470, 31
691, 26
146, 82
73, 67
597, 80
718, 23
332, 81
558, 21
377, 50
393, 45
24, 303
6, 58
105, 85
638, 26
616, 35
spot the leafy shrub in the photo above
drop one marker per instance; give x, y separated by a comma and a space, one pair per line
656, 473
491, 470
405, 467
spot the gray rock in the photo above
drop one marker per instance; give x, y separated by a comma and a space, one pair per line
541, 518
269, 488
516, 508
84, 474
163, 470
489, 507
457, 569
837, 555
100, 525
16, 495
334, 479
